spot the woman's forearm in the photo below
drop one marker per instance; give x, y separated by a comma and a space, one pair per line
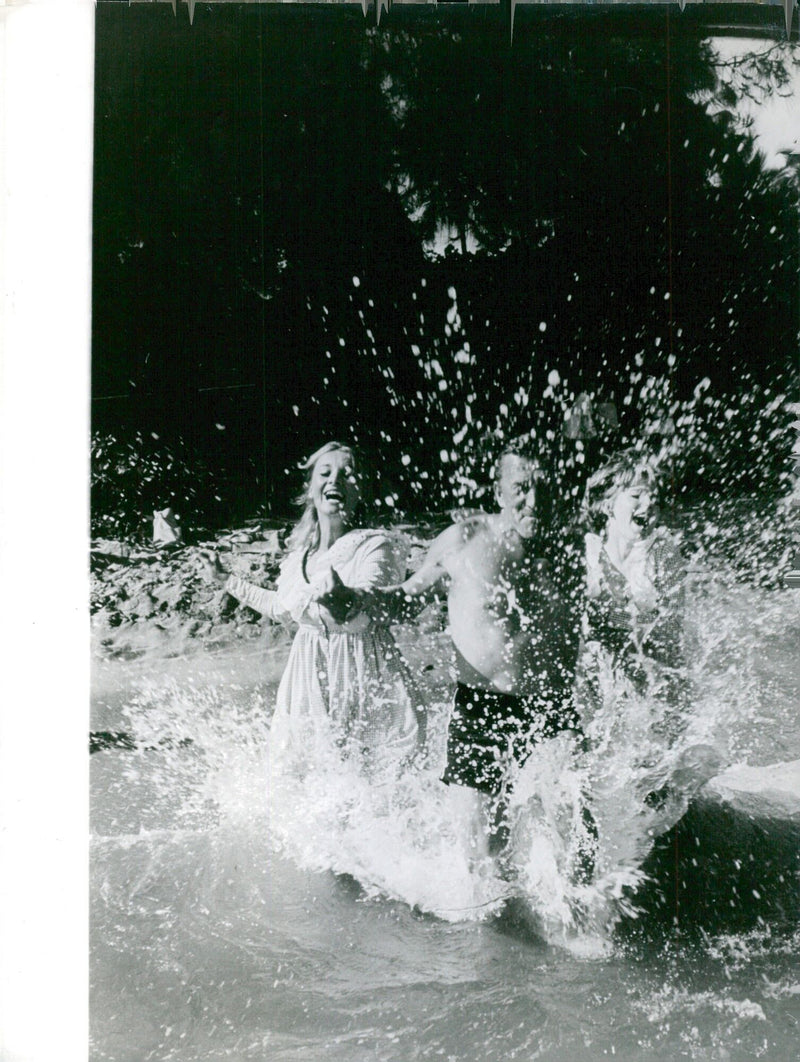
255, 597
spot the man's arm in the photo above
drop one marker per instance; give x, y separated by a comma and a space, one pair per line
534, 640
404, 601
389, 604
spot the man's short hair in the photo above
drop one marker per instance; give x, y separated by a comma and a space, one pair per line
522, 448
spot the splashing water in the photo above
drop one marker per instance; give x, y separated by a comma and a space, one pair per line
231, 881
202, 762
218, 927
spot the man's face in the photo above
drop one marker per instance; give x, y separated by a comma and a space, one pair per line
515, 491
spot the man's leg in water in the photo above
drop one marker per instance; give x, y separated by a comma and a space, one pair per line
499, 832
490, 733
472, 816
477, 758
586, 855
583, 832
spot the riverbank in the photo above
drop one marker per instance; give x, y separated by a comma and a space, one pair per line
146, 599
143, 598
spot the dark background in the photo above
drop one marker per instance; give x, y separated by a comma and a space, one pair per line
249, 166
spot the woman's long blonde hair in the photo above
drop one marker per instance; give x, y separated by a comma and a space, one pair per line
306, 534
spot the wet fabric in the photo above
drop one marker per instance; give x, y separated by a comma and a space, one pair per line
640, 613
489, 731
634, 625
345, 686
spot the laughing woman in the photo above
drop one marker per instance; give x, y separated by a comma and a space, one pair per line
635, 580
345, 686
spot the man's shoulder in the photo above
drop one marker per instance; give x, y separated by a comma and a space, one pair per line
461, 531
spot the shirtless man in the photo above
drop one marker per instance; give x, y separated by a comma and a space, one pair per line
513, 643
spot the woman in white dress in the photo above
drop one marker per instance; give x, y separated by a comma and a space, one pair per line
635, 587
634, 691
346, 688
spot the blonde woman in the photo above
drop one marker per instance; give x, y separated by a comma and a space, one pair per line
345, 685
634, 641
635, 576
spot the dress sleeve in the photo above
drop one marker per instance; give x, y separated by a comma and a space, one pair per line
379, 561
255, 597
669, 573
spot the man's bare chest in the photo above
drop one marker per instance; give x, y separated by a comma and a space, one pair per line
503, 583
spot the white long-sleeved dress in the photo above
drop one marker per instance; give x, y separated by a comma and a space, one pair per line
345, 686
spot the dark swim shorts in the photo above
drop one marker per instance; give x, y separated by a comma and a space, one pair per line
488, 730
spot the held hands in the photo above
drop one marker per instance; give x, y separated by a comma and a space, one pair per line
342, 602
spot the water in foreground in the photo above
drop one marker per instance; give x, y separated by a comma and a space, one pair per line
350, 923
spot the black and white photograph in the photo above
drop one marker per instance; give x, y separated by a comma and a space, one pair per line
443, 536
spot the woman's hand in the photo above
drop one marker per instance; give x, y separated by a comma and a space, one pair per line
339, 600
212, 570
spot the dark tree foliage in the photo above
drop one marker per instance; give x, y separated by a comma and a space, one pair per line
604, 220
